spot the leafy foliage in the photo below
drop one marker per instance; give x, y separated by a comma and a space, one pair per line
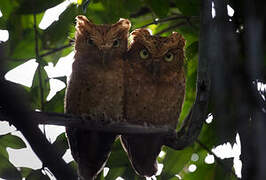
8, 170
18, 20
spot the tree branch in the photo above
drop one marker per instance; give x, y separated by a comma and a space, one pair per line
253, 151
69, 120
84, 122
192, 124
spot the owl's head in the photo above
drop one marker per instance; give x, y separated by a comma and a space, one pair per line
160, 56
102, 43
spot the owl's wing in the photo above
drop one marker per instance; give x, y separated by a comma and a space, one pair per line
142, 151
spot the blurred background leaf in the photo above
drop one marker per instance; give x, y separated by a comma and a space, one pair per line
37, 174
8, 170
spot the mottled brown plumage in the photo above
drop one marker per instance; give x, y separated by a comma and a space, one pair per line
155, 89
96, 89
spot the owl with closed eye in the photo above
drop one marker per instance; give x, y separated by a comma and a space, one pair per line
154, 93
96, 90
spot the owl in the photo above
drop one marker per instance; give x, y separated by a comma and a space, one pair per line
95, 89
154, 93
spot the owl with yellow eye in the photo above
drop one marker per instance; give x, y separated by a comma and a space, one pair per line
154, 93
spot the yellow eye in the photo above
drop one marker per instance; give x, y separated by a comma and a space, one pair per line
116, 43
144, 54
169, 57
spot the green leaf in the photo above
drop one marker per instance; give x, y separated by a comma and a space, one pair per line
112, 16
7, 8
100, 176
190, 95
132, 6
160, 7
208, 135
221, 173
129, 173
188, 7
7, 170
114, 173
25, 171
61, 78
141, 21
56, 104
22, 36
33, 6
35, 89
56, 35
175, 161
54, 57
118, 157
190, 32
24, 49
192, 50
119, 164
3, 151
210, 172
97, 13
37, 175
73, 165
12, 142
61, 144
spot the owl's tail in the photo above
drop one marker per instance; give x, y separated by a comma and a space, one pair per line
90, 150
142, 151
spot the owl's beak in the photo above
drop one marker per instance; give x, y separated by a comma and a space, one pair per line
104, 57
105, 49
154, 68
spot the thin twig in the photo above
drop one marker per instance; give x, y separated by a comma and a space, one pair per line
141, 12
56, 50
171, 18
172, 27
37, 56
218, 160
39, 65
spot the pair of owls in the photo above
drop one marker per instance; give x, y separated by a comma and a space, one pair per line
140, 84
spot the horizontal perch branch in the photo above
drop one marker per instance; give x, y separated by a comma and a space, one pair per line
173, 139
105, 126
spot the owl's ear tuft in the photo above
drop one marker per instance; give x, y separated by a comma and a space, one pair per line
140, 33
83, 23
124, 23
177, 38
81, 18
